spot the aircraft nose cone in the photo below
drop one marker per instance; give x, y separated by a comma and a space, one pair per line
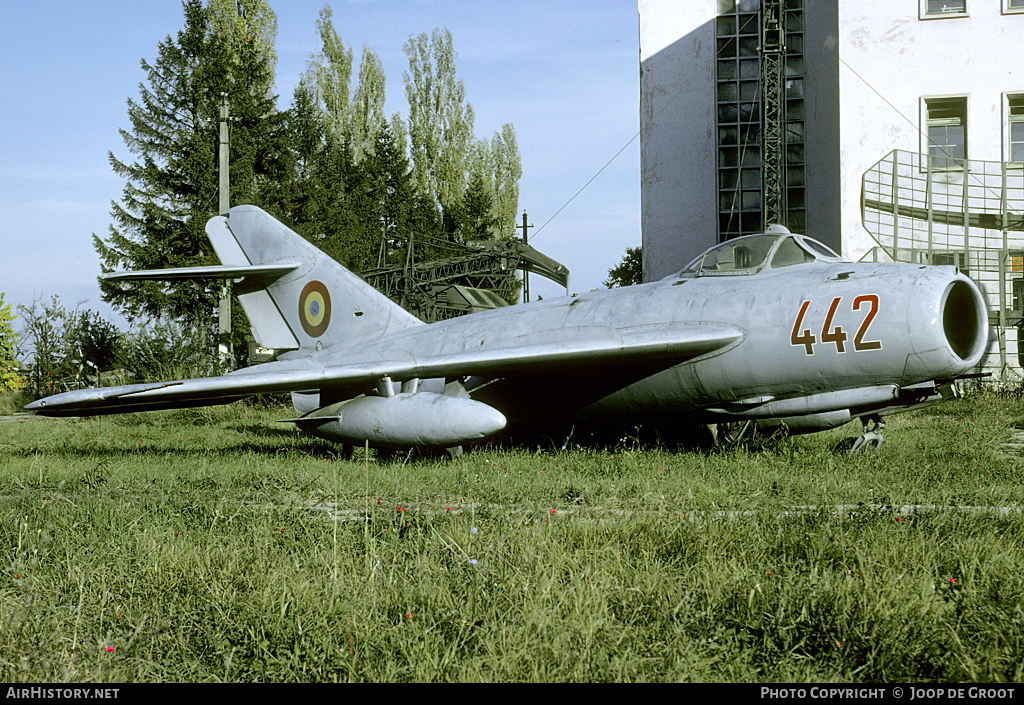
965, 321
948, 330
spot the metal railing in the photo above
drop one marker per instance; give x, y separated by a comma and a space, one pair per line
968, 213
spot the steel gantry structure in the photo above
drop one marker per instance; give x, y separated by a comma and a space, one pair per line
773, 151
480, 276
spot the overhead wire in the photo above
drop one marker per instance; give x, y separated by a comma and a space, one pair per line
631, 141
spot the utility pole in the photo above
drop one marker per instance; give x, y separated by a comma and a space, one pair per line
224, 319
773, 59
526, 272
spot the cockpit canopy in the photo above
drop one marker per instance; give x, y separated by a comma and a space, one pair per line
774, 249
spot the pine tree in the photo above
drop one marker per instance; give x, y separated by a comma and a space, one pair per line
401, 212
390, 188
477, 216
302, 199
171, 188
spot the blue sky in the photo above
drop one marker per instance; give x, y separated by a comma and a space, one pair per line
565, 74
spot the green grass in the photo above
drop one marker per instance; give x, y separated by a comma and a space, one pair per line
218, 545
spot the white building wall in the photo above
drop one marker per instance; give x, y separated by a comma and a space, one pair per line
677, 143
891, 59
869, 65
823, 163
860, 105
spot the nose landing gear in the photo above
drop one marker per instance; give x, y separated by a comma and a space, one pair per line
869, 441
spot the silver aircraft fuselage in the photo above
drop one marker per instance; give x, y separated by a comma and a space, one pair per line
774, 329
866, 329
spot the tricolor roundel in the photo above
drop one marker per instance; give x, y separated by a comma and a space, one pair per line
314, 309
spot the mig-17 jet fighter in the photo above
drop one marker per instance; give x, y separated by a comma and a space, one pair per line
770, 330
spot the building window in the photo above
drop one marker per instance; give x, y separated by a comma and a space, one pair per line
931, 9
739, 128
1010, 6
946, 131
955, 259
1015, 126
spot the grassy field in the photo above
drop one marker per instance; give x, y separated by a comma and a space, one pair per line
218, 545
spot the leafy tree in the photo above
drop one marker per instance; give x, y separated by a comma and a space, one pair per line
95, 341
440, 118
367, 110
446, 157
165, 350
506, 170
171, 188
47, 348
352, 116
627, 272
67, 346
9, 379
329, 74
353, 191
247, 21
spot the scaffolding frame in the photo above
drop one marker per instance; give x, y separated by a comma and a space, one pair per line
969, 213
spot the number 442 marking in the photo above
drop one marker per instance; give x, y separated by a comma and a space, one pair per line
831, 333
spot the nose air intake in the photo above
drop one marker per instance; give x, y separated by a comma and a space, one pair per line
965, 320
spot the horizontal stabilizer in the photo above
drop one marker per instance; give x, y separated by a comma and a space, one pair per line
263, 271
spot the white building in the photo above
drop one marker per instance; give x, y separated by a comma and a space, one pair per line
872, 88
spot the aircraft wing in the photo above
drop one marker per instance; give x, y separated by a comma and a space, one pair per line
661, 345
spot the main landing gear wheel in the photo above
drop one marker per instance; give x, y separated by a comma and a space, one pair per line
872, 436
728, 435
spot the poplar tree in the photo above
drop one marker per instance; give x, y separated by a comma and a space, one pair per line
447, 159
352, 116
328, 75
440, 119
243, 22
367, 110
506, 169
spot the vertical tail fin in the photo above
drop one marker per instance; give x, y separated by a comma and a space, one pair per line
314, 306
